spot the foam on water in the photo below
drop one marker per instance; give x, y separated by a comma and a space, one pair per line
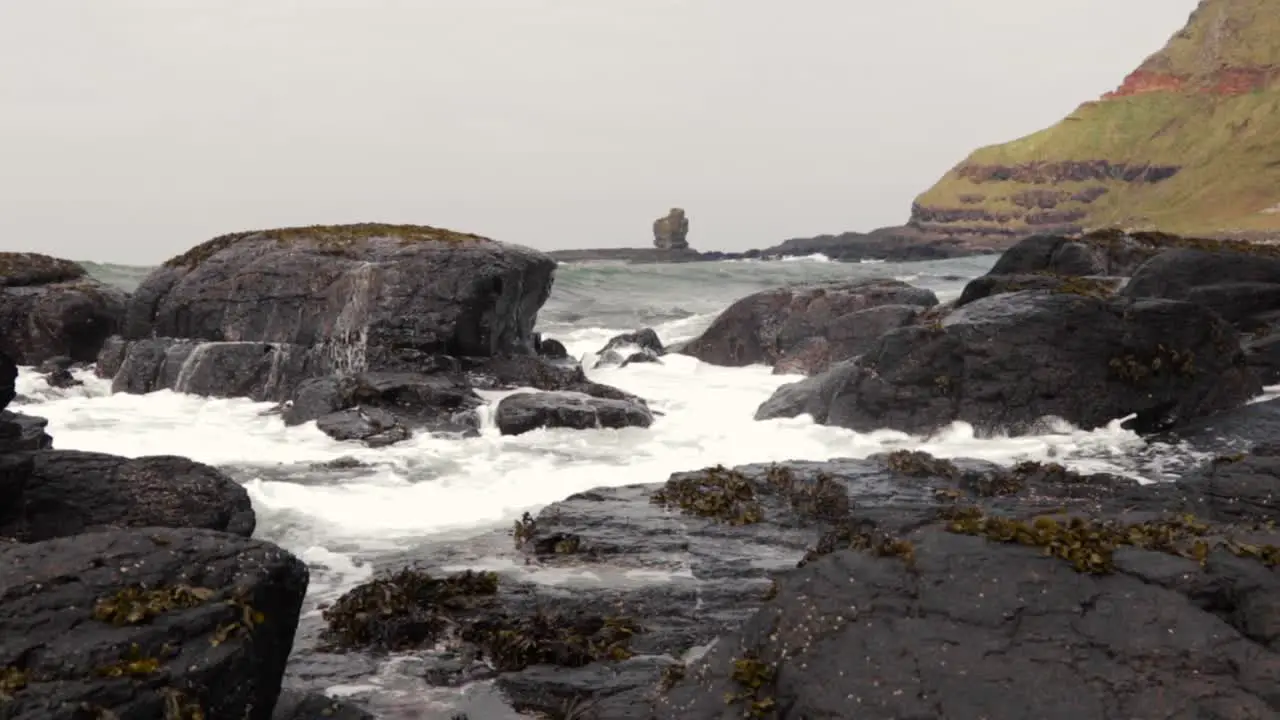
432, 485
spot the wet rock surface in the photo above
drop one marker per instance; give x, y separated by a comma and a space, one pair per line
524, 412
294, 705
60, 493
385, 405
640, 346
1006, 361
975, 564
146, 623
50, 308
767, 326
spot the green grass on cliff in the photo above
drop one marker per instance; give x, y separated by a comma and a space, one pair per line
1228, 149
324, 237
1222, 33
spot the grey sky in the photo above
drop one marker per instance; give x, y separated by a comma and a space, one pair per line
132, 129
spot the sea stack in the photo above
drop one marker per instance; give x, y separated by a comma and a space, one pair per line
671, 231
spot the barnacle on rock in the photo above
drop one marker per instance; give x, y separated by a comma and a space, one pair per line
1087, 545
514, 643
1164, 362
717, 493
135, 604
404, 610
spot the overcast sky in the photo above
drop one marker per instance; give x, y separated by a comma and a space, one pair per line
133, 129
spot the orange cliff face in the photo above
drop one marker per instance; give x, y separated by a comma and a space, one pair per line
1225, 81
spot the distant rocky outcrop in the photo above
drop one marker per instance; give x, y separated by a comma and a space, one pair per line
671, 231
50, 308
1185, 145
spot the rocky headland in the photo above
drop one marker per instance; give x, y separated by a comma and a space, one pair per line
1185, 144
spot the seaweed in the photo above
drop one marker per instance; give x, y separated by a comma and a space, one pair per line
404, 610
135, 604
329, 239
514, 643
754, 678
1087, 545
717, 493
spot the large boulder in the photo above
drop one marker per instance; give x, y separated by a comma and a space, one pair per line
641, 346
146, 623
523, 412
19, 432
815, 324
671, 231
58, 493
367, 296
49, 307
1005, 362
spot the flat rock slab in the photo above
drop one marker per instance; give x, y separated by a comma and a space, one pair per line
147, 623
523, 412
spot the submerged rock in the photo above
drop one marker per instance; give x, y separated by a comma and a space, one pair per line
1004, 362
787, 323
146, 623
49, 307
523, 412
294, 705
634, 347
60, 493
381, 408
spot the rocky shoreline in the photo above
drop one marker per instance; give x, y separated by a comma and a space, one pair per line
899, 585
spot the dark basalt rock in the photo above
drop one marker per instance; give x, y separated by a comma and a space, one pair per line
49, 308
523, 412
146, 623
61, 493
1006, 361
940, 549
294, 705
768, 326
640, 346
383, 406
20, 432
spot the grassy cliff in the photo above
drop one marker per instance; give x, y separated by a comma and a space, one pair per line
1189, 143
